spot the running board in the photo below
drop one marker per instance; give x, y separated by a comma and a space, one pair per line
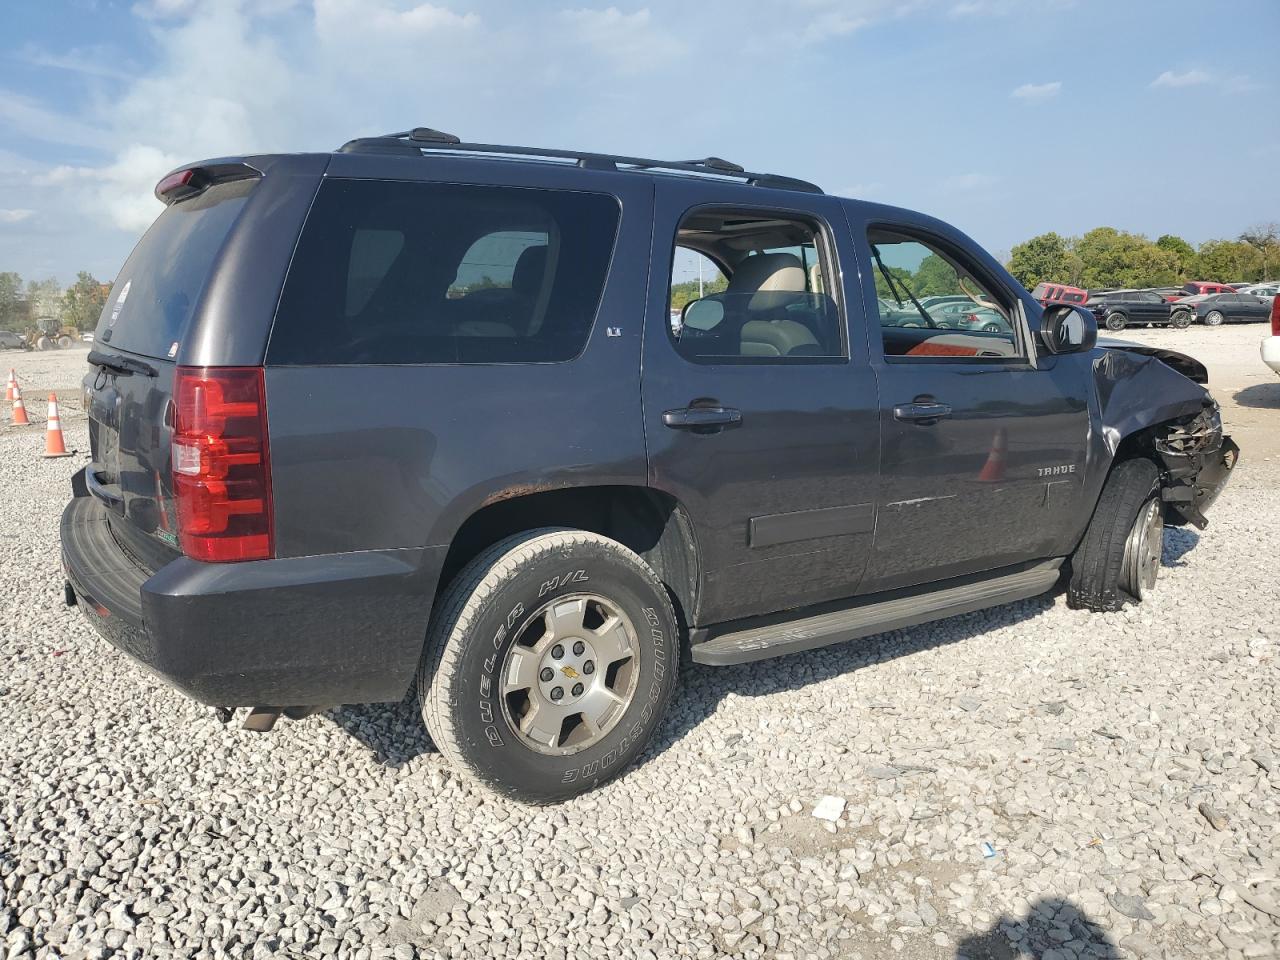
893, 613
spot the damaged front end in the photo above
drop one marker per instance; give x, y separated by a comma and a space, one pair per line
1153, 403
1198, 459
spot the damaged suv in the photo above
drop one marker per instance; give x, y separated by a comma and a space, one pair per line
423, 412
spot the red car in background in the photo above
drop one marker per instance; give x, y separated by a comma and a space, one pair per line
1206, 286
1059, 293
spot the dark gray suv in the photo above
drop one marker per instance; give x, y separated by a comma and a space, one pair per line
423, 411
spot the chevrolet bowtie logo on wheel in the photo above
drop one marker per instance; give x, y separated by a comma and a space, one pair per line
569, 672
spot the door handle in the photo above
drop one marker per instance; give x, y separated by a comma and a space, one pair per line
696, 418
922, 413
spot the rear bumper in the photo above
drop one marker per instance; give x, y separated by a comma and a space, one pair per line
338, 628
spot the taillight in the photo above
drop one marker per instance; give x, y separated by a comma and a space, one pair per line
1275, 316
221, 464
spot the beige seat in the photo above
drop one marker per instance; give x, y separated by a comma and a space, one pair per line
761, 284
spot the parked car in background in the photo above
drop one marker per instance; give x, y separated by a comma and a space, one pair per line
1206, 286
1271, 344
1168, 294
1269, 289
1121, 308
1059, 293
1219, 308
11, 341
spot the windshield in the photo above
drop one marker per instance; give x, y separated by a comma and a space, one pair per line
156, 293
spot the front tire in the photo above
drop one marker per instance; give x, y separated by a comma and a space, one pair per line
1116, 322
550, 664
1119, 558
1214, 318
1181, 320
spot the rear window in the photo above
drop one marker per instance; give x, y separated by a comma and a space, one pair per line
156, 293
393, 272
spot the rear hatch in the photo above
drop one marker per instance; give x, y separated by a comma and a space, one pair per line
129, 389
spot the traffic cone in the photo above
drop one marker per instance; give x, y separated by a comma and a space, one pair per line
12, 385
19, 410
53, 443
993, 469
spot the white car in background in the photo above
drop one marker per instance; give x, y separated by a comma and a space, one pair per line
1271, 345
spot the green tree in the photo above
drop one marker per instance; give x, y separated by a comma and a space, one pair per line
682, 293
934, 277
1115, 258
15, 313
83, 301
1046, 257
1185, 253
1265, 238
1227, 260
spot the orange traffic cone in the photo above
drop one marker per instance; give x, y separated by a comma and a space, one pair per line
12, 385
53, 444
19, 410
993, 469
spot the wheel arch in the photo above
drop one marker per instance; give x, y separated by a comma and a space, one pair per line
650, 522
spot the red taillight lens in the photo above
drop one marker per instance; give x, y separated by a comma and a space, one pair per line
221, 464
1275, 316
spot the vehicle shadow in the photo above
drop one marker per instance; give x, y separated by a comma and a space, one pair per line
1264, 395
1178, 542
393, 732
703, 687
1048, 925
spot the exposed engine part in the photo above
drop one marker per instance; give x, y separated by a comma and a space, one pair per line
1199, 436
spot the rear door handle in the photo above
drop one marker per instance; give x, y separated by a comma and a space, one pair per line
694, 418
924, 413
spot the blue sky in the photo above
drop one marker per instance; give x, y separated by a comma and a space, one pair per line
1005, 117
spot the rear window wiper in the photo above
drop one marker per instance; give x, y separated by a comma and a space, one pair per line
125, 365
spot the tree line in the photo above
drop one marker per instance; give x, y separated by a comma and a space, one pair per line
1107, 257
78, 306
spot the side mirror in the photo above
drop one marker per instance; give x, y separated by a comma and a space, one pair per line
704, 314
1065, 328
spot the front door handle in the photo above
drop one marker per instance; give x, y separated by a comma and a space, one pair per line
701, 418
922, 413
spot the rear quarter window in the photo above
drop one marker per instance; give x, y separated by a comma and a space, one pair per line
396, 272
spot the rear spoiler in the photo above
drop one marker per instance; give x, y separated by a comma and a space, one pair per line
188, 181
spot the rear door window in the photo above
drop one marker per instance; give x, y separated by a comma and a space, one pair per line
156, 293
393, 272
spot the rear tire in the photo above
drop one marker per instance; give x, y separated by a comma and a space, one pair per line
1119, 557
1116, 322
522, 636
1214, 318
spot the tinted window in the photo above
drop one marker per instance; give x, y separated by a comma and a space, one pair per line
907, 269
155, 295
773, 306
396, 272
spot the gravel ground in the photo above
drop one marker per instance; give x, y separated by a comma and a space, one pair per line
1028, 781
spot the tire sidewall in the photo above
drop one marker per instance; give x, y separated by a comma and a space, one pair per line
1181, 320
1209, 321
1117, 321
489, 743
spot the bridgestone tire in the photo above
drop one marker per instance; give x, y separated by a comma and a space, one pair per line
477, 621
1097, 566
1116, 322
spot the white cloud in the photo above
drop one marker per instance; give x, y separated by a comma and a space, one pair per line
1189, 78
88, 61
1037, 91
32, 119
15, 216
629, 41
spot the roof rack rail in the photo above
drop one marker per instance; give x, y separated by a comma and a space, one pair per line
414, 142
